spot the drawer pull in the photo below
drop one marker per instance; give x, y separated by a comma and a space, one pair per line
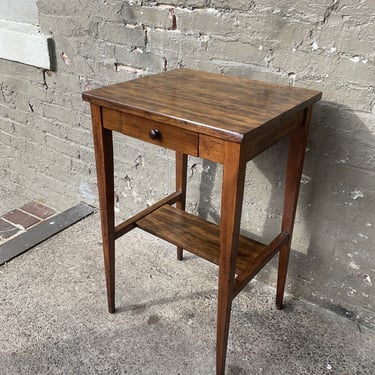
154, 134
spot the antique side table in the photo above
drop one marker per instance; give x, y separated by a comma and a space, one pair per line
224, 119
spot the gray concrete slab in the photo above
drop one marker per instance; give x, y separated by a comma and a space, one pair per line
53, 317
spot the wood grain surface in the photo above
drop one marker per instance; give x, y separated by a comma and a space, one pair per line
223, 106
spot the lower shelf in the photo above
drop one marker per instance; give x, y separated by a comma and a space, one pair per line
197, 236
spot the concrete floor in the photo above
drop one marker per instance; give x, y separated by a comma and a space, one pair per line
53, 317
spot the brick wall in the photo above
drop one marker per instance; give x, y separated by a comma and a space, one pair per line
45, 138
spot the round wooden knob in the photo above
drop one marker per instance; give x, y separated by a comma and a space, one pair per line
154, 133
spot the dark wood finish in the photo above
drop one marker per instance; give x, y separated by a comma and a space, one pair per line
140, 128
130, 224
259, 262
296, 155
224, 119
278, 130
103, 145
197, 236
228, 108
231, 207
211, 148
181, 176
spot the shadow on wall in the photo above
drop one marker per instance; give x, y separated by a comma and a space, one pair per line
336, 213
332, 261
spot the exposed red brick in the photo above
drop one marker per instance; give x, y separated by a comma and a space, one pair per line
38, 209
21, 218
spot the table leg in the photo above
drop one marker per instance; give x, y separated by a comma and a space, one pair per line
181, 173
103, 145
296, 154
231, 207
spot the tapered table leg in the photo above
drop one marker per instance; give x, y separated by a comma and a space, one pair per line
296, 154
231, 207
181, 170
104, 168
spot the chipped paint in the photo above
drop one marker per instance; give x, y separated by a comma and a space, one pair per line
305, 179
292, 78
66, 59
117, 203
138, 161
342, 161
356, 194
129, 69
86, 192
355, 59
353, 265
365, 278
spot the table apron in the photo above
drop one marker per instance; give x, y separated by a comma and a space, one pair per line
175, 138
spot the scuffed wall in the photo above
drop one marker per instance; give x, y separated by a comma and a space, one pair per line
45, 138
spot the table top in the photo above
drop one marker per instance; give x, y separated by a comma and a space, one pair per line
222, 106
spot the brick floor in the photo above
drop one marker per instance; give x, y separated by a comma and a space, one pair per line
35, 234
26, 217
38, 210
21, 218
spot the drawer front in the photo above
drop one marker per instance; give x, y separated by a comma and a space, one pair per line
150, 131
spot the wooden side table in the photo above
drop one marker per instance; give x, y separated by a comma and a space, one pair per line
226, 120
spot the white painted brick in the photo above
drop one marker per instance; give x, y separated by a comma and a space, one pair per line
205, 22
123, 34
232, 50
155, 17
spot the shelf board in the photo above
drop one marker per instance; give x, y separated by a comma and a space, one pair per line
197, 236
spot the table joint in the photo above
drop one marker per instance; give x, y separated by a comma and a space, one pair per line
130, 224
261, 260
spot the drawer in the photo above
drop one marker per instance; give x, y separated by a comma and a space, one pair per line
151, 131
